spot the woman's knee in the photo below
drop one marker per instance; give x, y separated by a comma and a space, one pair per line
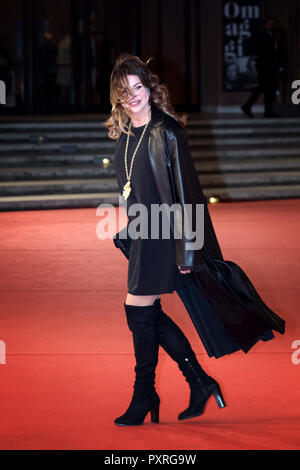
141, 300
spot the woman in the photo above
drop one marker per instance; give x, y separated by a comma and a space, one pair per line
150, 133
154, 168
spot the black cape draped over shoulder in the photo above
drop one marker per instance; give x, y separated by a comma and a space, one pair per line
226, 310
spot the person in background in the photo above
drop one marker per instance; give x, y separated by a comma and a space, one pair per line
267, 67
47, 72
64, 71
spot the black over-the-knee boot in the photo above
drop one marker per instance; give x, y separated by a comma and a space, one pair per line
142, 323
177, 346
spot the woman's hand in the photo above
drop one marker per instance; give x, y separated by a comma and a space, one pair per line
184, 271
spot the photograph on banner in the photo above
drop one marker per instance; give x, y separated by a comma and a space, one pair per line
241, 28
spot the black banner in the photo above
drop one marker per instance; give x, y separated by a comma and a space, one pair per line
241, 27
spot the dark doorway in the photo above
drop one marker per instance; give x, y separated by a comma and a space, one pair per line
59, 54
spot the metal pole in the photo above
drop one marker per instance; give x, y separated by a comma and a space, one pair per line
187, 53
73, 9
198, 52
159, 37
29, 17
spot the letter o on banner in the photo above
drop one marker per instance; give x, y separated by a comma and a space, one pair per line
231, 10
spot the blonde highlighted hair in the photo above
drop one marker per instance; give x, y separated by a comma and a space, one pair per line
127, 64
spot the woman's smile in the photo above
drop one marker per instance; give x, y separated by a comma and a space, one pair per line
134, 103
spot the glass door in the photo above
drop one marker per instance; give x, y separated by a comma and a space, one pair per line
57, 56
11, 57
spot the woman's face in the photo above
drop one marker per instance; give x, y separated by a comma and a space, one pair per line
138, 103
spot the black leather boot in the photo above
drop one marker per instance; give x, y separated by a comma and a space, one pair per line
142, 323
177, 346
202, 388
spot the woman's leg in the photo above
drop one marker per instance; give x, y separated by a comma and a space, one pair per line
141, 300
177, 346
141, 314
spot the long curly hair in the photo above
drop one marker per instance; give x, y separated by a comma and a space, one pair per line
127, 64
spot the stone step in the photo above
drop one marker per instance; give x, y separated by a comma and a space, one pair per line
87, 185
11, 168
98, 171
91, 122
57, 201
246, 153
62, 201
59, 134
242, 121
58, 146
249, 178
66, 186
50, 172
283, 140
247, 131
247, 166
106, 145
55, 118
95, 157
33, 126
59, 159
252, 193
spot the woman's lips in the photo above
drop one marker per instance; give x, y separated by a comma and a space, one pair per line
134, 103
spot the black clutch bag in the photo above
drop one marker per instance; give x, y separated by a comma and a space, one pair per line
122, 241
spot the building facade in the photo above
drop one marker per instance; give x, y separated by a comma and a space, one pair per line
56, 56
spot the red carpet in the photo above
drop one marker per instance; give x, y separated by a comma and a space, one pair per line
69, 357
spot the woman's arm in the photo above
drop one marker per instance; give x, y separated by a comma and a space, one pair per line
188, 191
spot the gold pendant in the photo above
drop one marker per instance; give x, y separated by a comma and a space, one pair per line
126, 190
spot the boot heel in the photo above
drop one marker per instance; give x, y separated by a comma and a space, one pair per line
219, 398
155, 414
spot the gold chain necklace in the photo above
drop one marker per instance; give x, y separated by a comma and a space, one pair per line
127, 187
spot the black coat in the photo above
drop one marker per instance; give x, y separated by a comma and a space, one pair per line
223, 304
